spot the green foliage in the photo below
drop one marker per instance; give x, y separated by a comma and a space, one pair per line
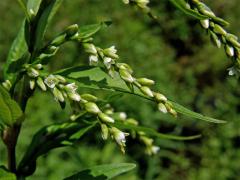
103, 171
179, 77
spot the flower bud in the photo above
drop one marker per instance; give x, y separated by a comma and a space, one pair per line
162, 108
51, 49
205, 23
59, 40
125, 1
145, 81
147, 91
120, 137
104, 129
58, 94
219, 30
111, 52
126, 76
229, 50
90, 48
160, 97
215, 39
7, 85
132, 121
125, 66
41, 84
60, 78
105, 118
92, 108
74, 96
72, 30
89, 97
38, 66
32, 72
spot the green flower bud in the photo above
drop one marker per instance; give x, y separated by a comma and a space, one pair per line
105, 118
147, 91
7, 85
145, 81
60, 78
89, 97
105, 131
132, 121
219, 30
92, 108
32, 72
38, 66
233, 39
72, 30
90, 48
160, 97
51, 50
59, 40
58, 94
124, 66
126, 76
215, 39
41, 84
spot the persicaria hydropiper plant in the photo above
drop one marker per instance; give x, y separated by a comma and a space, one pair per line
26, 72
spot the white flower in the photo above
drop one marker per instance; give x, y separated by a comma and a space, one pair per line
93, 60
155, 149
233, 71
119, 136
51, 81
107, 62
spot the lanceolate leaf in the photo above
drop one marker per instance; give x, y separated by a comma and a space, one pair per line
96, 78
51, 137
152, 132
10, 112
50, 8
17, 50
102, 172
181, 4
88, 30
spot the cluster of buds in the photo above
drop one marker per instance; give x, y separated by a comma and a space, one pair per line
109, 58
120, 136
142, 4
150, 148
57, 84
69, 34
219, 36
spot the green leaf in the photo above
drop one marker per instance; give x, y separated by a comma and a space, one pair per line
17, 50
96, 78
152, 132
50, 8
89, 30
6, 175
181, 5
179, 108
10, 112
102, 172
51, 137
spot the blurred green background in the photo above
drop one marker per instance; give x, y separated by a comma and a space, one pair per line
187, 68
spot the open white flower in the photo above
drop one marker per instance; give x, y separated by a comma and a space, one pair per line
51, 81
93, 60
155, 149
107, 62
